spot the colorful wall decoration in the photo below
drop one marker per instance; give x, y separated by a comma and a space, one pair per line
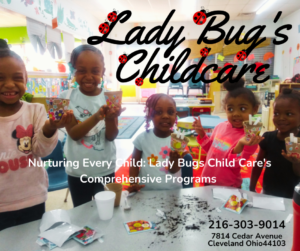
70, 19
296, 66
46, 86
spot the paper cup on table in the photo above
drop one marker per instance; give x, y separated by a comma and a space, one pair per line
117, 189
178, 144
113, 98
292, 147
57, 107
252, 130
105, 204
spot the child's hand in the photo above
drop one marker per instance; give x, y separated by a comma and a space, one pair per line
197, 126
113, 112
174, 157
65, 120
253, 141
100, 114
135, 188
291, 158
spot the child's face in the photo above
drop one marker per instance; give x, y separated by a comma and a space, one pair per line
286, 115
164, 114
89, 71
238, 110
13, 79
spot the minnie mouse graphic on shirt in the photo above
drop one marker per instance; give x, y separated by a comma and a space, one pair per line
24, 137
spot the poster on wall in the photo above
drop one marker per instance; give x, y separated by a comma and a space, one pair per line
46, 87
37, 86
296, 66
57, 14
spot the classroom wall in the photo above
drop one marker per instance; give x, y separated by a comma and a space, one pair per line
283, 57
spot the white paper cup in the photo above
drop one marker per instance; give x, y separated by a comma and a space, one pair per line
105, 204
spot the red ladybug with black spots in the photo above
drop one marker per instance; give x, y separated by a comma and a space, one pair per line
123, 59
200, 17
112, 16
204, 52
104, 27
241, 55
139, 81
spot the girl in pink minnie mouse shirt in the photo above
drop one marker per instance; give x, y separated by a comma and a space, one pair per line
25, 135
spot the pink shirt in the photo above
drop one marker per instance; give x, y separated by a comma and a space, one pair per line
219, 147
22, 138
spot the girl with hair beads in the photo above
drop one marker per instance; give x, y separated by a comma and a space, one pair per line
25, 134
282, 171
94, 128
227, 148
153, 147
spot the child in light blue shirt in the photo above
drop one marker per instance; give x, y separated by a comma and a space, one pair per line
153, 149
94, 127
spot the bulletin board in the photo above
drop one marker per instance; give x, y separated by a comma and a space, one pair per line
46, 85
296, 66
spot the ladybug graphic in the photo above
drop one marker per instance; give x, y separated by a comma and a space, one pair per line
200, 16
241, 55
123, 59
112, 16
139, 81
104, 27
204, 52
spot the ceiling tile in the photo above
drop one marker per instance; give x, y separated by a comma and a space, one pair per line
251, 7
239, 1
216, 7
218, 2
234, 7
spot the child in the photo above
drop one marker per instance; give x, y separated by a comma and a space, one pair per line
153, 147
26, 134
90, 137
227, 148
281, 177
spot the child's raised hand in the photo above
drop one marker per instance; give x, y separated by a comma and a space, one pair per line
65, 120
134, 188
253, 141
289, 157
197, 126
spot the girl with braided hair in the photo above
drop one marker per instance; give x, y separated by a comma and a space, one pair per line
152, 148
283, 174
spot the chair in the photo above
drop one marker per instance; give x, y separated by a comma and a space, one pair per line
177, 86
192, 85
58, 178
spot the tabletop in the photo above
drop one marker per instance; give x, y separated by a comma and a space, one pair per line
208, 122
191, 105
193, 223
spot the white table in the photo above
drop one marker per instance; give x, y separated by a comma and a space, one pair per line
144, 206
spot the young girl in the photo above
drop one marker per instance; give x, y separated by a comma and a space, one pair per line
152, 148
283, 174
26, 134
227, 148
90, 136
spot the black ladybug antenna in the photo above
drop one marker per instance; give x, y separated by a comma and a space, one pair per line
202, 7
207, 10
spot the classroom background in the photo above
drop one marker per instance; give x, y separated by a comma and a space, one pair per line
45, 32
